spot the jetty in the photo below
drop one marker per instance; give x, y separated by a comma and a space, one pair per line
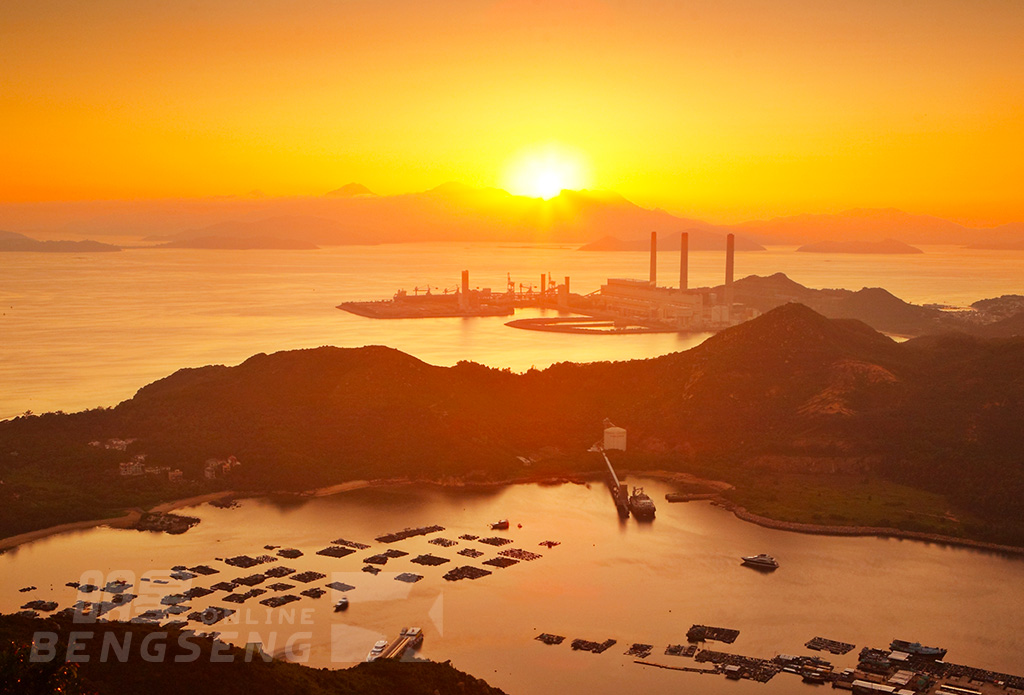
409, 638
687, 669
619, 490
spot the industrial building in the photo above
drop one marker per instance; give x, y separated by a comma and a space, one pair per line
680, 308
614, 438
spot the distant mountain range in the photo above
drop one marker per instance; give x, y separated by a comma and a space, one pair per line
886, 246
353, 214
699, 238
876, 225
12, 241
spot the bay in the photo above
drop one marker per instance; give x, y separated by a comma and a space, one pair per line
632, 582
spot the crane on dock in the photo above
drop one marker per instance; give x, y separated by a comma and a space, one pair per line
620, 491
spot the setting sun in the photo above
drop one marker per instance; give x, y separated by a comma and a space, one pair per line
545, 172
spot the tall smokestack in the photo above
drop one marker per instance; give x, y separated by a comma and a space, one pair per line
684, 260
543, 286
730, 252
654, 259
464, 295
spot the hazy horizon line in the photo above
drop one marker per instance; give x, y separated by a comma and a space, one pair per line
718, 220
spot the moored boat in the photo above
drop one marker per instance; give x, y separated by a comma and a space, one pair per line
641, 505
500, 525
377, 650
761, 561
917, 649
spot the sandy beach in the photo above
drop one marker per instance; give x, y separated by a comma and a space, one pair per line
345, 487
193, 501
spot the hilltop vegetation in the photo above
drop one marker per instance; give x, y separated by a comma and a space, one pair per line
826, 400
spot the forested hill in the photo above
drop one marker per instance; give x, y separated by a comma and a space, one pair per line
941, 414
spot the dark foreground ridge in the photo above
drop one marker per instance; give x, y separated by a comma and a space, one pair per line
812, 419
199, 670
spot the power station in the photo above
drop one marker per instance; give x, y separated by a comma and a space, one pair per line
620, 305
680, 308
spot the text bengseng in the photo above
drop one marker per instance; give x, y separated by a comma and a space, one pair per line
152, 647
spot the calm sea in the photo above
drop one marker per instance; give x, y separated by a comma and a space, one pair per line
634, 583
79, 331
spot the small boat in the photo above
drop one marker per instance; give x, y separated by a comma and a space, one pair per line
377, 650
341, 605
814, 677
761, 561
917, 649
641, 504
500, 525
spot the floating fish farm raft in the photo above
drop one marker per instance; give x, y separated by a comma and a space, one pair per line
338, 551
429, 560
279, 571
702, 633
465, 572
832, 646
350, 544
408, 533
681, 650
549, 638
593, 647
501, 562
641, 651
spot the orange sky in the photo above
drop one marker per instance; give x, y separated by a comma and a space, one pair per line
725, 110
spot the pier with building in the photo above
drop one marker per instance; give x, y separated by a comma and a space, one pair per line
409, 639
614, 439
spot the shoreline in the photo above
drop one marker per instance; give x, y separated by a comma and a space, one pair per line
742, 513
125, 521
193, 501
451, 482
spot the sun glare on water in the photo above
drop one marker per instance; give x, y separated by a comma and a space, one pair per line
544, 173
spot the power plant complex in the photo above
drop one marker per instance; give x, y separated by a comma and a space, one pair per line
680, 308
620, 305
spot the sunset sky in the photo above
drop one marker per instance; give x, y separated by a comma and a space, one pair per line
726, 110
